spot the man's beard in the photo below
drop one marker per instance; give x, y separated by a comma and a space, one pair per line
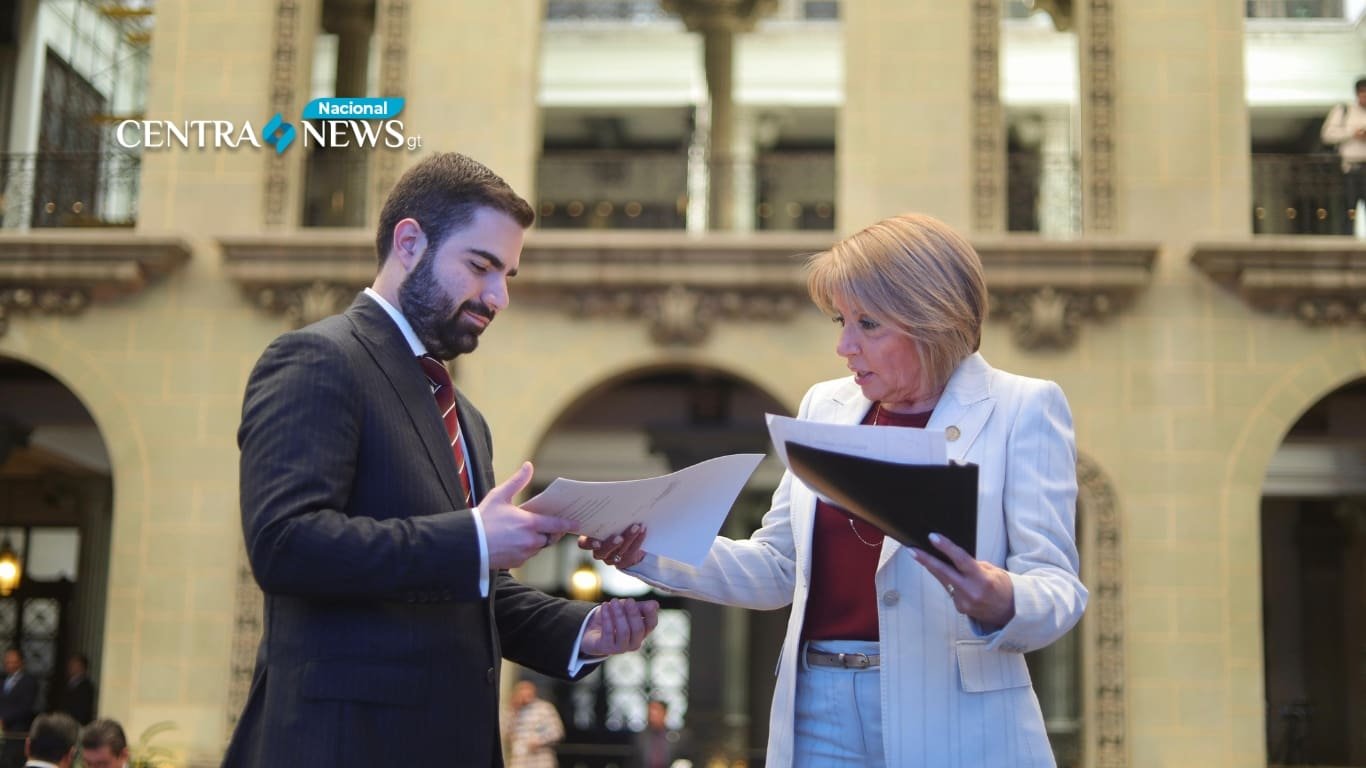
435, 318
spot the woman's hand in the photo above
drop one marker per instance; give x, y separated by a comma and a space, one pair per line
978, 588
622, 550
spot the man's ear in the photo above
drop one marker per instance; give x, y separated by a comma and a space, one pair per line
409, 243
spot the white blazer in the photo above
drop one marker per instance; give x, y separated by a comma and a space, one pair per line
951, 695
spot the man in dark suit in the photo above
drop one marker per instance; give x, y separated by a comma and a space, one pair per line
658, 746
372, 518
52, 742
78, 697
18, 703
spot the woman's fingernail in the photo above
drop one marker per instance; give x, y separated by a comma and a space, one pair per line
935, 538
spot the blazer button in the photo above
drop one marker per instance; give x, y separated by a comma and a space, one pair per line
489, 675
891, 597
952, 433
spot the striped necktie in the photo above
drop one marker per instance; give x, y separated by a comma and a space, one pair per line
444, 392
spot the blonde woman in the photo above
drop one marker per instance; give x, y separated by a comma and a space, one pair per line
893, 658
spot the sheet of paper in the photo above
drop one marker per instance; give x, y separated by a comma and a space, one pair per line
901, 445
682, 512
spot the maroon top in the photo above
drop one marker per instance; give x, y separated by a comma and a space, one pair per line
843, 601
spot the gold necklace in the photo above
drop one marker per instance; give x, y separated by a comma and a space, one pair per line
877, 418
866, 543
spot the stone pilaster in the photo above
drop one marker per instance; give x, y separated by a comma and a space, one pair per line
906, 130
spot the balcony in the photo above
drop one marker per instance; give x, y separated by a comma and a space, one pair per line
1043, 193
1295, 9
651, 11
1299, 195
779, 191
68, 189
616, 11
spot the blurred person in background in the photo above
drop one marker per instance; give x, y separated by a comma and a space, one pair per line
1345, 129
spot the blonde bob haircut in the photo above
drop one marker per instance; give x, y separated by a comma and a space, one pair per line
914, 273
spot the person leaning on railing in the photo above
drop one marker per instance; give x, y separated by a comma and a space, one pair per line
1345, 129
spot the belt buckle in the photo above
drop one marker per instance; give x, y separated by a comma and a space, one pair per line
854, 660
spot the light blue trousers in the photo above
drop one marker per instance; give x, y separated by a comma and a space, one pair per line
839, 712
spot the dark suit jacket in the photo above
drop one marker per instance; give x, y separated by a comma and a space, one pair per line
377, 647
78, 701
17, 707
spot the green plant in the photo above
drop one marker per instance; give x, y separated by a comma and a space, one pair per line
145, 754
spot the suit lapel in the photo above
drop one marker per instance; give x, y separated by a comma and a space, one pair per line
965, 406
385, 343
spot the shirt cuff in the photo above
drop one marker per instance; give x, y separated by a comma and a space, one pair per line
483, 555
577, 662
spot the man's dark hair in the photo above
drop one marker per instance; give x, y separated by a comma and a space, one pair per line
442, 193
104, 733
1361, 84
52, 736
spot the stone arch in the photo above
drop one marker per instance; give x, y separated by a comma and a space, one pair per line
66, 484
1268, 421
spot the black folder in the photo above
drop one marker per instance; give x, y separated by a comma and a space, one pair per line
905, 501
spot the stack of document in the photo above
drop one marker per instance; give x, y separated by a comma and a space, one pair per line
682, 512
897, 479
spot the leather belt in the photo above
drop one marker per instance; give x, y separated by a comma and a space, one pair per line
842, 660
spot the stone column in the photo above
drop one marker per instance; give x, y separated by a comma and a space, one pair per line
1173, 117
905, 130
341, 175
353, 25
477, 97
1057, 176
719, 21
200, 70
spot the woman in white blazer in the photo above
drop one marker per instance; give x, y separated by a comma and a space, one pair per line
893, 658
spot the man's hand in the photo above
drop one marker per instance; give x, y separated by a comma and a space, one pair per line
618, 626
514, 534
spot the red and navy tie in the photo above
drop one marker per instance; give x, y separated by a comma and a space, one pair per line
444, 392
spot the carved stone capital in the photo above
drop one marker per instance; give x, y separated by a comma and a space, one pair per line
679, 315
1319, 280
304, 276
680, 286
1047, 290
62, 273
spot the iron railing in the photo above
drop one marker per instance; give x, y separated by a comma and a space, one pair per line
1043, 193
659, 190
69, 189
1299, 195
1295, 9
626, 11
650, 11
